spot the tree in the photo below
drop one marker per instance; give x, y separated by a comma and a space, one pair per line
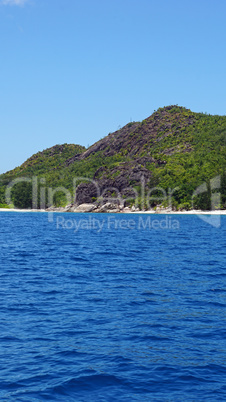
22, 195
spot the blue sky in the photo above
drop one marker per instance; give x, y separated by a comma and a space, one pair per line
71, 71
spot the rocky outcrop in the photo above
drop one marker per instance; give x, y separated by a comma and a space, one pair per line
87, 193
118, 182
84, 208
110, 207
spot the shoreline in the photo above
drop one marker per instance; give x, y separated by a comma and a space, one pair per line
152, 212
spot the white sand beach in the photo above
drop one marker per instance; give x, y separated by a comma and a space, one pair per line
159, 212
191, 212
21, 210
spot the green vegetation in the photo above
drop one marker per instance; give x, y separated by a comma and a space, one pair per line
180, 149
22, 195
4, 206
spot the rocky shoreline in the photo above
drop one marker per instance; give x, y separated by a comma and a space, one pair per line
114, 208
88, 208
108, 207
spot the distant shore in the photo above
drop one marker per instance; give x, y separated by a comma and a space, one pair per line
21, 210
161, 212
191, 212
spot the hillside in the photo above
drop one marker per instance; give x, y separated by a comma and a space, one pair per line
174, 147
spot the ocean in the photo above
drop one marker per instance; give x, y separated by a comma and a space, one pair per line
105, 307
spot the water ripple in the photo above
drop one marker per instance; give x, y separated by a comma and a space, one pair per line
116, 315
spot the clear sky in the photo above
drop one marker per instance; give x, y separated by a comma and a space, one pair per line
71, 71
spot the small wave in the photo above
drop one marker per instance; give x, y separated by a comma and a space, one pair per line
89, 383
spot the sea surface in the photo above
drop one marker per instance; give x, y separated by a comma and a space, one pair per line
104, 307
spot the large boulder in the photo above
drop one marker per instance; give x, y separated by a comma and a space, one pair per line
85, 208
109, 207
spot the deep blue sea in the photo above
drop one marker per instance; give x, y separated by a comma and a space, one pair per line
104, 307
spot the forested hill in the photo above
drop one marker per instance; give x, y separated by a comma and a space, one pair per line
52, 158
174, 147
